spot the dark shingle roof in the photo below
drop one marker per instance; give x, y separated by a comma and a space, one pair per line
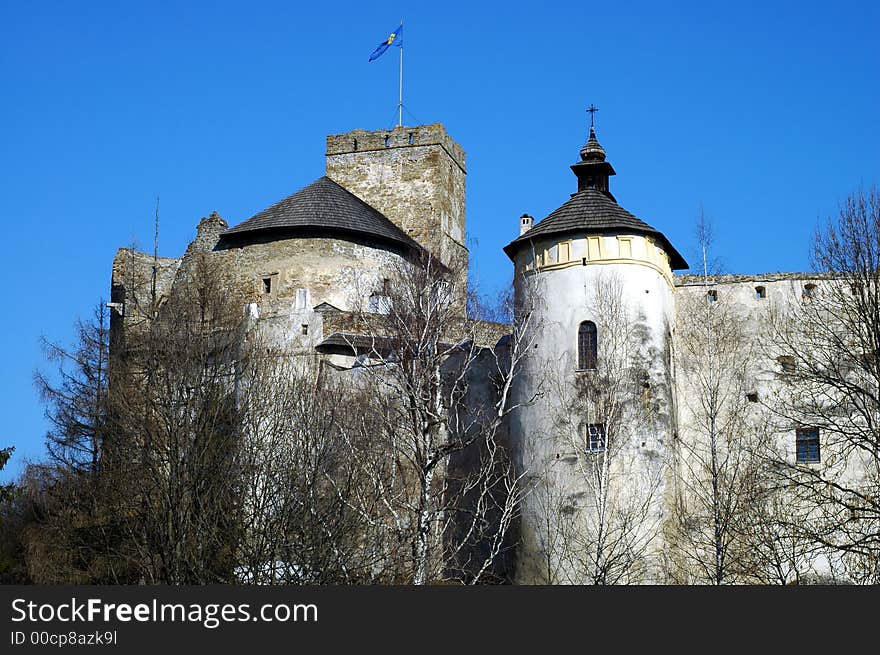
326, 307
345, 343
349, 343
323, 205
590, 210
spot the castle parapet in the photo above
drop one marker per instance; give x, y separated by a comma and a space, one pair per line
399, 137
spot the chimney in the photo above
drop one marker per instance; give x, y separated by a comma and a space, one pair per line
525, 223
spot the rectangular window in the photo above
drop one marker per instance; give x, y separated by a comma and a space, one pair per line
594, 248
712, 295
807, 444
564, 252
305, 328
760, 293
595, 437
303, 299
268, 283
626, 247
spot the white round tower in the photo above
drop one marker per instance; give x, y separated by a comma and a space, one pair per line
594, 290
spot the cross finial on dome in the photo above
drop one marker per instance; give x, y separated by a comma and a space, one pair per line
592, 151
591, 110
592, 170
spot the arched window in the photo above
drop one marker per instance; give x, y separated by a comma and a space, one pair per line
587, 346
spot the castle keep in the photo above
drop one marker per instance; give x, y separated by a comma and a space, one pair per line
606, 423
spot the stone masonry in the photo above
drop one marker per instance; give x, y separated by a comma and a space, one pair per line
413, 175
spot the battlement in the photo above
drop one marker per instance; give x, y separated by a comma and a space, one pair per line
413, 175
399, 137
695, 279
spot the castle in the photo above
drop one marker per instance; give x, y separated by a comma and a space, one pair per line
605, 290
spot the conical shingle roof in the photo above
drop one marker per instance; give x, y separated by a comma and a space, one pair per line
323, 206
591, 211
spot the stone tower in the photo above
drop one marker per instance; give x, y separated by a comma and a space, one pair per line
595, 284
413, 175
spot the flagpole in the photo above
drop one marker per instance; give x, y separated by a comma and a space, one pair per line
400, 90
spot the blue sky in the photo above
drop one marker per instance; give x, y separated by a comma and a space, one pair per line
765, 114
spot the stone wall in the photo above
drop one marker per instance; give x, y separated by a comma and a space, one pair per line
304, 272
413, 175
131, 287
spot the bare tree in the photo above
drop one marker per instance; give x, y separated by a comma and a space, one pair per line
76, 397
717, 449
441, 492
177, 425
830, 337
69, 529
299, 477
602, 495
221, 458
771, 548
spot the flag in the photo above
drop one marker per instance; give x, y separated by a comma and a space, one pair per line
395, 38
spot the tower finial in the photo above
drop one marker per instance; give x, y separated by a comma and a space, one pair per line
591, 110
592, 151
592, 170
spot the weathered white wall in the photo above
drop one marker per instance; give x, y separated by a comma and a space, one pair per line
756, 316
760, 320
562, 296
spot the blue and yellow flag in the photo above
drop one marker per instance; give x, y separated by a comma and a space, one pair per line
395, 38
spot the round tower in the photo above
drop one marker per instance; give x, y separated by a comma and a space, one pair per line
594, 296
